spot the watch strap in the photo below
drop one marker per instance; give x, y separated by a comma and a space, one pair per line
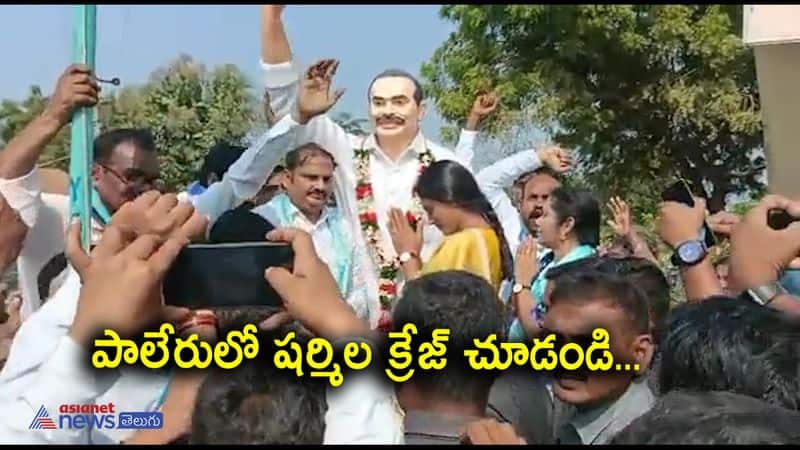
765, 293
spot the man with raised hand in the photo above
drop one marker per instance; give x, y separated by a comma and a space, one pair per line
375, 172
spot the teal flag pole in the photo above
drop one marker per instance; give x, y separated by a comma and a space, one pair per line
82, 137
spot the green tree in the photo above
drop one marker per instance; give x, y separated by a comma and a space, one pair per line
188, 110
644, 92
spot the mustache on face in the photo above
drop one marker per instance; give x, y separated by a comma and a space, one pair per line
396, 119
317, 192
536, 213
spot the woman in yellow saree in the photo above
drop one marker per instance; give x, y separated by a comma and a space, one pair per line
474, 239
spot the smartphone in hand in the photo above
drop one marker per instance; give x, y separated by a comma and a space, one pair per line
225, 275
681, 192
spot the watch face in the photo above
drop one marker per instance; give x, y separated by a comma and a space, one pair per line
517, 288
691, 252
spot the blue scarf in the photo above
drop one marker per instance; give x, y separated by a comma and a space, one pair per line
99, 210
516, 333
341, 265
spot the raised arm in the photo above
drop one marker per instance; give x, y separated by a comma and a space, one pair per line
281, 75
308, 123
678, 223
483, 105
248, 174
19, 182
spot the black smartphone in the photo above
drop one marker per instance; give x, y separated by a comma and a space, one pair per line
225, 275
778, 219
681, 192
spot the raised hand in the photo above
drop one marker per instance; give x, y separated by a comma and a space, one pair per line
556, 158
678, 223
161, 215
315, 96
760, 254
526, 263
621, 212
483, 105
75, 88
121, 282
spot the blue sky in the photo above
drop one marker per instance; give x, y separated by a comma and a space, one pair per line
35, 42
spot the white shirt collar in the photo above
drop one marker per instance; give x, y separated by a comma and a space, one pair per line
418, 145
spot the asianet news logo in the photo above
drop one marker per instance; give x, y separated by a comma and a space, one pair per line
92, 416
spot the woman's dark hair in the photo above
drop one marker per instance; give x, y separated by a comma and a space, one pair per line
581, 205
451, 183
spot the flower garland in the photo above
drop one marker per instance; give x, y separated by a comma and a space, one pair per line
388, 266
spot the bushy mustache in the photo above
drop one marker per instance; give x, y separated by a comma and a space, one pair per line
391, 118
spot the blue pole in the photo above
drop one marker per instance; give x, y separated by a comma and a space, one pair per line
82, 137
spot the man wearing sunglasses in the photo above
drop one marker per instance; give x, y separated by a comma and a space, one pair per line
604, 402
583, 407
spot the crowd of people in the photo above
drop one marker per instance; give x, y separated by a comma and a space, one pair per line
390, 229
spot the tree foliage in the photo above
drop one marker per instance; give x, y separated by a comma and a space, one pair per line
188, 110
644, 92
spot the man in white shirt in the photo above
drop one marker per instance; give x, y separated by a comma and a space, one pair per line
382, 166
308, 184
534, 175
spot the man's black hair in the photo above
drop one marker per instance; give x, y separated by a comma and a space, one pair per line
735, 345
592, 285
643, 274
465, 304
218, 160
239, 225
297, 157
258, 404
703, 418
419, 93
105, 143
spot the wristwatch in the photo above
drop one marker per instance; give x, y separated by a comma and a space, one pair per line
766, 293
406, 257
518, 287
689, 253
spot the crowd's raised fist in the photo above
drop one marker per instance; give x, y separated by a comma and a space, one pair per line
678, 223
75, 88
315, 96
556, 158
485, 104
